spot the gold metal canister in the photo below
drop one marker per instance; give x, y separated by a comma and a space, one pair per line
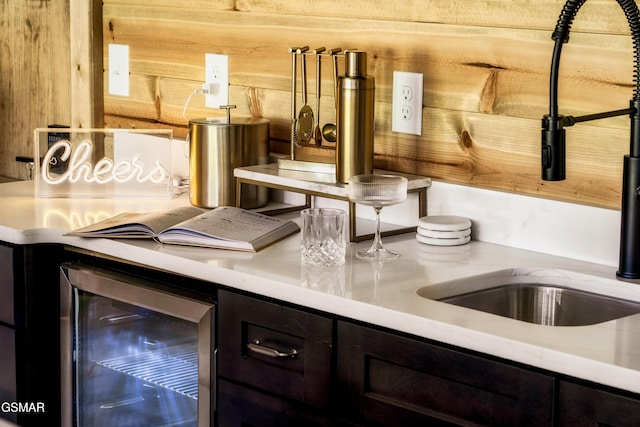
355, 118
216, 148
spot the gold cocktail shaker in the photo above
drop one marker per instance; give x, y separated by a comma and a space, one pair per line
354, 122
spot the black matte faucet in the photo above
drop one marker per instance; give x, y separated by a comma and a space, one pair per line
553, 137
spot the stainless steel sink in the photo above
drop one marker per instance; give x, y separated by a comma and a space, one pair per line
539, 303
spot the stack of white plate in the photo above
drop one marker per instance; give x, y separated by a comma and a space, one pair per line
444, 230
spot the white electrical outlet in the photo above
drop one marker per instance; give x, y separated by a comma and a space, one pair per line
406, 107
216, 79
119, 69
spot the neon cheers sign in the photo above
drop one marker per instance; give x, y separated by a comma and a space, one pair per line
106, 170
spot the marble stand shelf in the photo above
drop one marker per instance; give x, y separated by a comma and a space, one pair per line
323, 185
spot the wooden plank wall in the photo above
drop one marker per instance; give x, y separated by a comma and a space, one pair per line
485, 66
34, 75
87, 102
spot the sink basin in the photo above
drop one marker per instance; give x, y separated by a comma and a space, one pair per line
543, 302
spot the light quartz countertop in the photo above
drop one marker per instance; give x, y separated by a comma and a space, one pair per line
607, 353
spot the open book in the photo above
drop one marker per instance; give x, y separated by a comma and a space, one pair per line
224, 227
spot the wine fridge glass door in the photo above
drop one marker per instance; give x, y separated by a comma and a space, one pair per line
133, 365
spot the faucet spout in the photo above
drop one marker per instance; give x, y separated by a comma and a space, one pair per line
553, 155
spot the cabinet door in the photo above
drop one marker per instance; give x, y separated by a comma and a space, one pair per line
384, 379
274, 348
584, 406
8, 391
240, 406
6, 285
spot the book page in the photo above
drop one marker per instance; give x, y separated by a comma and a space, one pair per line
158, 221
114, 224
230, 223
138, 224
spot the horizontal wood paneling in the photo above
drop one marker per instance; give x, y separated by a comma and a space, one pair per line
596, 15
34, 76
485, 68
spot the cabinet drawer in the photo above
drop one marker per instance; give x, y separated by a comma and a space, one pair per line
6, 285
585, 406
256, 342
384, 379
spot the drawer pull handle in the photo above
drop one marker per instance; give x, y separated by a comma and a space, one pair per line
257, 347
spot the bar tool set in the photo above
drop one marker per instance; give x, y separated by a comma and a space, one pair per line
352, 132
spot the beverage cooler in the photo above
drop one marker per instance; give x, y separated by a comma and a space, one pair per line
133, 353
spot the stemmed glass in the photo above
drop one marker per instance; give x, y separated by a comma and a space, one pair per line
377, 191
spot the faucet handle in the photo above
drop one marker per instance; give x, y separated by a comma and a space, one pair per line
553, 149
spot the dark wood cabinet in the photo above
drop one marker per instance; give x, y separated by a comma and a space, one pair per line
282, 353
6, 285
29, 369
388, 380
581, 405
8, 387
8, 377
373, 377
241, 406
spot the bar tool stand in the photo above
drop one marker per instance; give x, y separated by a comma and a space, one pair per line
305, 125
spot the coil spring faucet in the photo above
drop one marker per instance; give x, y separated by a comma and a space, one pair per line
553, 136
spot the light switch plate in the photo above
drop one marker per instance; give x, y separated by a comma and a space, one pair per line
119, 69
406, 114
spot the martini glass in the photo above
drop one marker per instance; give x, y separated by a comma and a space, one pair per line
377, 191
